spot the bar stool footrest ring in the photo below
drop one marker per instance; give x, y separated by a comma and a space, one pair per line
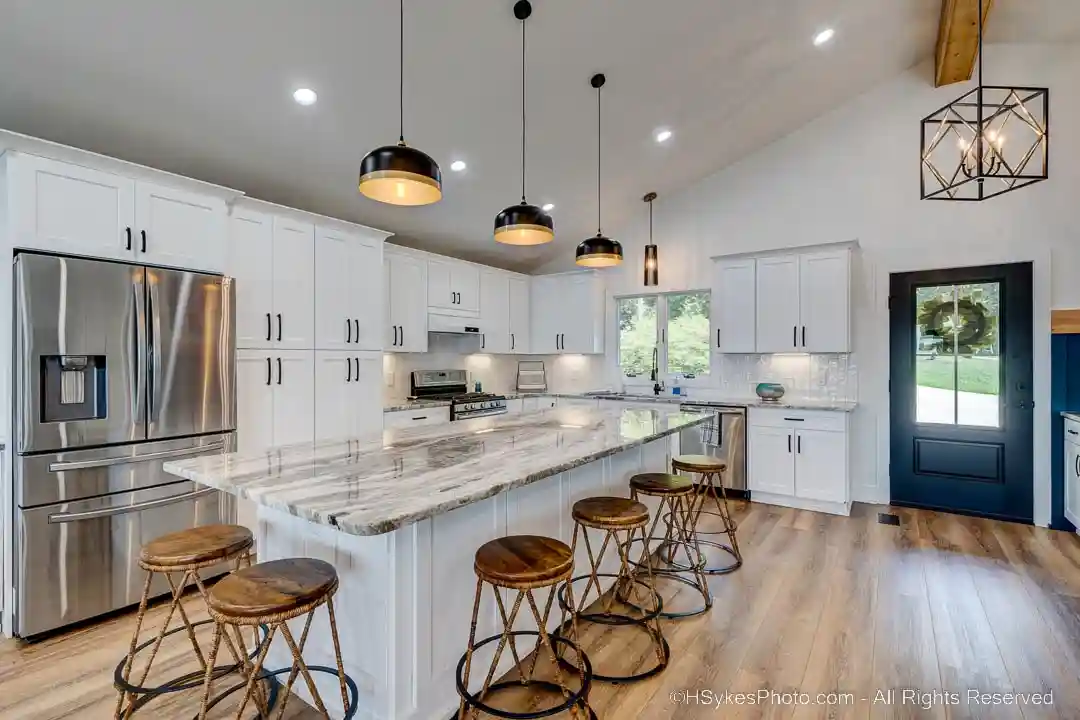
663, 544
626, 679
275, 686
669, 615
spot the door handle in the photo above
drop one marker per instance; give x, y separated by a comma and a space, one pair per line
395, 336
357, 341
804, 336
56, 518
796, 419
269, 372
348, 331
149, 457
279, 327
269, 327
128, 231
513, 342
718, 338
279, 371
795, 336
348, 363
402, 328
789, 442
143, 233
798, 444
1072, 432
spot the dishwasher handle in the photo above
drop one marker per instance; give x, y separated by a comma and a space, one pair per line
56, 518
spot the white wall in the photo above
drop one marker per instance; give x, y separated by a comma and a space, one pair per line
854, 175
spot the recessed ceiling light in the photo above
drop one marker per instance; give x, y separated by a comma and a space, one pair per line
663, 136
458, 165
824, 36
305, 96
548, 207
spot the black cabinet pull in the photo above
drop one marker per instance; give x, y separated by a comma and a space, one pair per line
269, 323
1072, 432
483, 340
279, 327
348, 331
1077, 465
798, 444
717, 337
269, 372
789, 442
796, 419
128, 231
143, 233
402, 329
357, 341
396, 342
795, 336
279, 371
422, 417
804, 336
513, 342
348, 377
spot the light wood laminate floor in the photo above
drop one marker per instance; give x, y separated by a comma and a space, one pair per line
822, 604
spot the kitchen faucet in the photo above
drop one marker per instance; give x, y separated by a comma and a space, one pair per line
658, 386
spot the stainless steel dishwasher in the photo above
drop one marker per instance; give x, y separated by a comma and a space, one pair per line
723, 437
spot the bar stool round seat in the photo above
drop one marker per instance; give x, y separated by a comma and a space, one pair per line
183, 554
676, 494
270, 594
711, 488
620, 520
524, 563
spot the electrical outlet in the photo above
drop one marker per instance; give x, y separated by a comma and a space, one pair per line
388, 378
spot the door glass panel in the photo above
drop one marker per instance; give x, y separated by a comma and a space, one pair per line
637, 335
957, 355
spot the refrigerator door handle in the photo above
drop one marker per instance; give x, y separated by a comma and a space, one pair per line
149, 457
55, 518
139, 389
153, 386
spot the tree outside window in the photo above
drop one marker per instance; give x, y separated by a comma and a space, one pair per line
672, 328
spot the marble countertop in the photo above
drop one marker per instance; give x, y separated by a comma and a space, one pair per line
1071, 414
379, 483
406, 405
787, 403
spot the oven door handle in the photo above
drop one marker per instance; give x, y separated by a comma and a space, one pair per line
108, 462
57, 518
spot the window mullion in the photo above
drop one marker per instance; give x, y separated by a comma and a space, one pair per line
662, 332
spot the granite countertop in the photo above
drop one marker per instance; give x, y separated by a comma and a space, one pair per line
787, 403
379, 483
1071, 414
406, 405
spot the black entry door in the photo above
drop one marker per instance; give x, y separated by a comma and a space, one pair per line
961, 390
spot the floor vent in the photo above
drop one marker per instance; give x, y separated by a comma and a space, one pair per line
888, 519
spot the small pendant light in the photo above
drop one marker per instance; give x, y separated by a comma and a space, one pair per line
523, 224
652, 261
598, 251
399, 174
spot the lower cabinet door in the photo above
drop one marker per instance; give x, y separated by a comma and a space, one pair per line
821, 465
294, 396
1072, 482
772, 460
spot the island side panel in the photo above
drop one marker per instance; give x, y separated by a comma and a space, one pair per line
363, 609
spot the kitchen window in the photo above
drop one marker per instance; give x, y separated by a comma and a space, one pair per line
670, 330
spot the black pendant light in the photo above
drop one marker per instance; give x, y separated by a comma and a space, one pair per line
598, 251
523, 224
652, 259
399, 174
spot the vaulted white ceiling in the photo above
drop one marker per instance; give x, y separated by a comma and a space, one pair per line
203, 88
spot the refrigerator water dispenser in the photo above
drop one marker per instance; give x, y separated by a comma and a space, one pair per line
73, 388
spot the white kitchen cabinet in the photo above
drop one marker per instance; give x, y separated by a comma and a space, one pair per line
799, 459
275, 398
803, 302
734, 302
177, 228
348, 291
64, 208
348, 394
567, 313
495, 312
406, 285
453, 287
1072, 471
515, 406
294, 397
519, 315
535, 403
273, 261
416, 418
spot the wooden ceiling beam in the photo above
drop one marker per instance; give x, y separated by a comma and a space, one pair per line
958, 40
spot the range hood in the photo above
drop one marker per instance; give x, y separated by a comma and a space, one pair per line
453, 325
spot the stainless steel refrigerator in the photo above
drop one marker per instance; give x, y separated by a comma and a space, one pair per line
116, 368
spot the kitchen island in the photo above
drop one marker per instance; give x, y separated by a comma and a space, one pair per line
400, 515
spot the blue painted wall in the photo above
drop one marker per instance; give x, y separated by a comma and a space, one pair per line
1064, 395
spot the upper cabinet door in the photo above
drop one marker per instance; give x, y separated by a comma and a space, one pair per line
734, 306
465, 281
545, 309
367, 394
335, 316
251, 243
519, 315
824, 292
495, 312
777, 296
66, 208
582, 313
255, 375
366, 293
335, 376
294, 397
440, 291
408, 278
177, 228
294, 284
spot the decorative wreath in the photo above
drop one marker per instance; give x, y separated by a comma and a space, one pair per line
976, 328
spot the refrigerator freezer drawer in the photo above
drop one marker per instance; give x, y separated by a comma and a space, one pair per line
81, 559
81, 474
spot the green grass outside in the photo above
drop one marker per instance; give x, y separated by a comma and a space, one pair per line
977, 374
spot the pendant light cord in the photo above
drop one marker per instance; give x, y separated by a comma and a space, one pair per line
401, 72
523, 112
650, 223
981, 18
598, 143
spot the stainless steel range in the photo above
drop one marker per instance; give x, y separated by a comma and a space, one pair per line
453, 385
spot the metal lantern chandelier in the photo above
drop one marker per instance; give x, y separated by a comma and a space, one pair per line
598, 251
990, 141
523, 224
399, 174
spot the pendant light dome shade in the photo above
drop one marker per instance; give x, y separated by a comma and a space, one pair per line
524, 224
400, 175
599, 251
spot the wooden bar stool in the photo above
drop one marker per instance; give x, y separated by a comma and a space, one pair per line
524, 563
676, 496
182, 553
271, 594
711, 488
614, 515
